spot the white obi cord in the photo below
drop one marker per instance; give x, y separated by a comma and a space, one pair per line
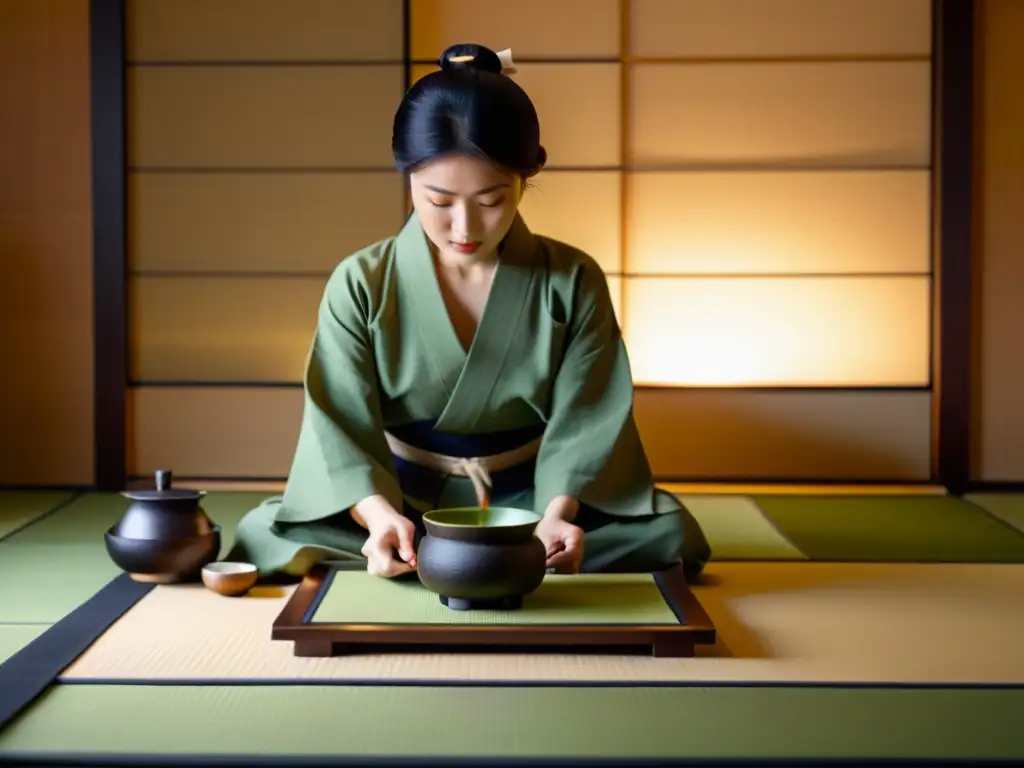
478, 468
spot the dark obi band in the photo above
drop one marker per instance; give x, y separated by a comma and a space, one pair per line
426, 484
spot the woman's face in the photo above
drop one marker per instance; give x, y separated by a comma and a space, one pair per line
466, 205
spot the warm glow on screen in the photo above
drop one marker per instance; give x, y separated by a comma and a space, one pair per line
778, 278
579, 207
833, 331
777, 223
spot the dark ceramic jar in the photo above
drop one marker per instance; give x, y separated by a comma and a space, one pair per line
165, 535
481, 559
163, 512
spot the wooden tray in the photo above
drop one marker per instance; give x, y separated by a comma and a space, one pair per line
687, 624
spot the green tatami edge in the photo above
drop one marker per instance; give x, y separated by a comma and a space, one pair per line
737, 530
898, 528
1008, 507
19, 508
608, 722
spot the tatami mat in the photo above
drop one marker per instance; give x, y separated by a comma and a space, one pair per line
737, 530
892, 529
375, 722
359, 597
801, 489
782, 622
14, 637
18, 508
1008, 507
55, 565
813, 624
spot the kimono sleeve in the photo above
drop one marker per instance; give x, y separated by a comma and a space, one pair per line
342, 455
591, 449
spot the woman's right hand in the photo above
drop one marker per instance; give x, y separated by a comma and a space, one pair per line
388, 532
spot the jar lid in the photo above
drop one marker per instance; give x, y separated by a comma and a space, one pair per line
163, 490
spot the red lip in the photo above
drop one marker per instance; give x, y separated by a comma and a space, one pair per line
464, 247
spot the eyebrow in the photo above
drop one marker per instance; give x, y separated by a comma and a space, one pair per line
478, 192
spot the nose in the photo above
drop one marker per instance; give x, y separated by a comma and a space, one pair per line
464, 223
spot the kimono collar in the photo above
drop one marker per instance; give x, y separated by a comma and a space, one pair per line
467, 377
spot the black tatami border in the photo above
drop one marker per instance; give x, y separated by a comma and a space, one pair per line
376, 682
33, 669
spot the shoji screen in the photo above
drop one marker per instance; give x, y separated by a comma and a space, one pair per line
259, 146
777, 224
753, 175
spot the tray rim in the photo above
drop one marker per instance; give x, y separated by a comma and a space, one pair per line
290, 623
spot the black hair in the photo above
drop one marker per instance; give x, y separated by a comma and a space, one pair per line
468, 107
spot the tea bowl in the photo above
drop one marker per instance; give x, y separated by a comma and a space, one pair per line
475, 558
229, 579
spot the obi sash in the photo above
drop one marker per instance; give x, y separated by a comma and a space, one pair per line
504, 461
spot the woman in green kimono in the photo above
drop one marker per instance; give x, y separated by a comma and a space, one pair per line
469, 359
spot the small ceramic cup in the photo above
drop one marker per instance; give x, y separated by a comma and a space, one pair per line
230, 579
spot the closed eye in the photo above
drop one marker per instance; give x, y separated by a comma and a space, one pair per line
495, 204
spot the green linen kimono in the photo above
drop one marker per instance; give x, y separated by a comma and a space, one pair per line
547, 356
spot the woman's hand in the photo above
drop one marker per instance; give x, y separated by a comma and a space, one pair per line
562, 540
388, 532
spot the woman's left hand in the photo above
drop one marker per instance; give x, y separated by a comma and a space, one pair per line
562, 540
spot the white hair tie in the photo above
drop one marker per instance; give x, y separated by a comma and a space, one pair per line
508, 67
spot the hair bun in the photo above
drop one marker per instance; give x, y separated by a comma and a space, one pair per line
470, 56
